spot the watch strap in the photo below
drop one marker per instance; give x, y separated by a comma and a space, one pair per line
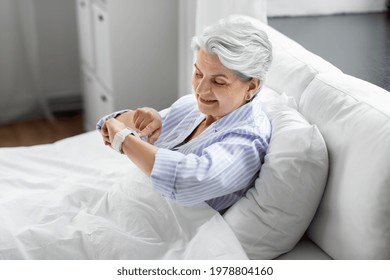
120, 137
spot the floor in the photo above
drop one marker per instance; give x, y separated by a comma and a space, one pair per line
358, 44
40, 131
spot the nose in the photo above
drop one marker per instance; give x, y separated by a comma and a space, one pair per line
201, 86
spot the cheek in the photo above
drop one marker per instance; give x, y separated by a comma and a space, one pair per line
194, 82
233, 99
226, 99
240, 93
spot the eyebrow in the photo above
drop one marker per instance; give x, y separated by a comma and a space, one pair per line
216, 75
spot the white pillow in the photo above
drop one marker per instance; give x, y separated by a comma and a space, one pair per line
274, 215
353, 220
293, 67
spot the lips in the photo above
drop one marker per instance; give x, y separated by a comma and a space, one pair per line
207, 101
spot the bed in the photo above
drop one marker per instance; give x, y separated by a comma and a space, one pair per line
77, 199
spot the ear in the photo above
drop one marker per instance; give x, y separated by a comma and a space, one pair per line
253, 86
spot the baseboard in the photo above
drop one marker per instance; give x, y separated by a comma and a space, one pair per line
29, 108
64, 104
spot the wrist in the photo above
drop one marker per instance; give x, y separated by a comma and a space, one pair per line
120, 137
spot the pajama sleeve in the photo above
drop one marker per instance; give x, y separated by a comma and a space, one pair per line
222, 168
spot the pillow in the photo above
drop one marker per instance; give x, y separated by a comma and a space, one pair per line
274, 215
353, 220
293, 67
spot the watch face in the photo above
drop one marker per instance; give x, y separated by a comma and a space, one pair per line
120, 137
134, 133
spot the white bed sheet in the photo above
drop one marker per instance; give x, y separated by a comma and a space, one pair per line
77, 199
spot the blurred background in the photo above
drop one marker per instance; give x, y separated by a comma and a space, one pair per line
65, 63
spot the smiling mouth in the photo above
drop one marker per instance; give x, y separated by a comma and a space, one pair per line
207, 101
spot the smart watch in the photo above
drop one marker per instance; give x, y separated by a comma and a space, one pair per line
120, 137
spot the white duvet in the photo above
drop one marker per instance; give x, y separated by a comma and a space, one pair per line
77, 199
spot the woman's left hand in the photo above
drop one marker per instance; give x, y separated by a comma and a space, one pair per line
110, 128
140, 152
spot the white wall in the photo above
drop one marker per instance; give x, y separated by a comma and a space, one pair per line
56, 27
322, 7
186, 21
39, 56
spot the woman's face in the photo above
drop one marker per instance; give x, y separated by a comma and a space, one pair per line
217, 89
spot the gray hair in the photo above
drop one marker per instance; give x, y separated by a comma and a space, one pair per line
240, 45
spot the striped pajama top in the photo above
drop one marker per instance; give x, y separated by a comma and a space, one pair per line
219, 165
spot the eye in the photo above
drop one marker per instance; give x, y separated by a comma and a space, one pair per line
198, 74
219, 83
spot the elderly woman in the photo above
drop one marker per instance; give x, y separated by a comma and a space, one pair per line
208, 146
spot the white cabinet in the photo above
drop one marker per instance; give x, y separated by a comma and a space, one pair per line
97, 101
128, 54
102, 46
104, 100
90, 102
85, 32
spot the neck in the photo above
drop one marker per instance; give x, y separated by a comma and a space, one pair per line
210, 120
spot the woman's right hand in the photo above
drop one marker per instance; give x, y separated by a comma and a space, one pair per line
146, 120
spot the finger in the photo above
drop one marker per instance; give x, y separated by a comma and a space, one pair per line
106, 140
138, 119
150, 128
104, 130
142, 117
147, 131
113, 126
153, 138
143, 124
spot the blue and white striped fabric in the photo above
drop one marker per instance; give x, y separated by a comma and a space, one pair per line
219, 165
